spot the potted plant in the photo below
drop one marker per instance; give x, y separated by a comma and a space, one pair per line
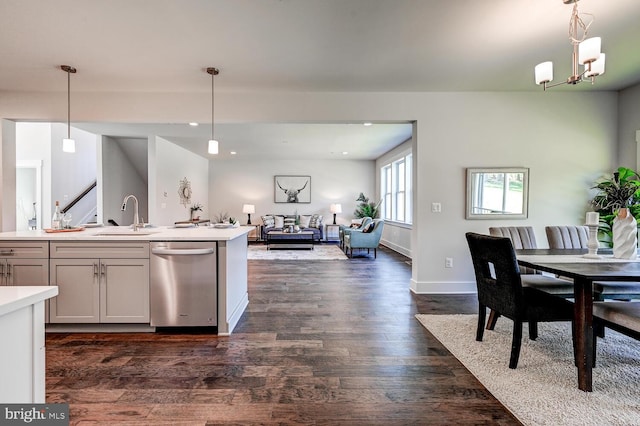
618, 202
367, 208
195, 207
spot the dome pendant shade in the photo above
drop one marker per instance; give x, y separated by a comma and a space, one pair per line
68, 145
213, 147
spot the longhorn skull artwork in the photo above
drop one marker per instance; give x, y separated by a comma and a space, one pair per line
292, 190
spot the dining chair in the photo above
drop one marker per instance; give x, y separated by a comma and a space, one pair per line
500, 288
523, 237
623, 317
567, 237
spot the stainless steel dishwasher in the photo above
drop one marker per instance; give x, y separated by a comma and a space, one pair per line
184, 284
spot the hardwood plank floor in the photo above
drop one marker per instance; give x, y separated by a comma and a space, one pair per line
326, 342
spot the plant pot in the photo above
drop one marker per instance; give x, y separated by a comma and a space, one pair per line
625, 235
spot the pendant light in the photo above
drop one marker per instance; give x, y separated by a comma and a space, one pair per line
213, 144
68, 144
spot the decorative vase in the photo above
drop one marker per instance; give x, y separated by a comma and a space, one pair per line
296, 228
625, 235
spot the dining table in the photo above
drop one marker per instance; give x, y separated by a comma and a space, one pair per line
584, 271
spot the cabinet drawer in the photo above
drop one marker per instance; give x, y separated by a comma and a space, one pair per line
24, 249
103, 250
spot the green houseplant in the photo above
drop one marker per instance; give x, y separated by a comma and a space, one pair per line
620, 191
367, 208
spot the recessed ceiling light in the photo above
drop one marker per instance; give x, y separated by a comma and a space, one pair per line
193, 124
233, 153
367, 124
345, 152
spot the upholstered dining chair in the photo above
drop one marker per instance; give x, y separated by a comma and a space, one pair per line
523, 237
500, 288
567, 237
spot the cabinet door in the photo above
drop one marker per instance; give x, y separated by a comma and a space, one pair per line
124, 290
27, 271
78, 291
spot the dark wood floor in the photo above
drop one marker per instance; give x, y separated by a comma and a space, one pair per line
327, 342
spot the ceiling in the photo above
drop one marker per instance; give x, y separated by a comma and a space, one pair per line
310, 46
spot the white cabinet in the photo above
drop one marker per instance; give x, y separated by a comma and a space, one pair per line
24, 263
106, 282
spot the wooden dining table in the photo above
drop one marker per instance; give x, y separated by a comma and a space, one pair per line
572, 264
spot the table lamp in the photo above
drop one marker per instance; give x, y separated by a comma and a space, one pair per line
248, 209
335, 209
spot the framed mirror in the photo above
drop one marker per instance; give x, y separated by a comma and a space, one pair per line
497, 193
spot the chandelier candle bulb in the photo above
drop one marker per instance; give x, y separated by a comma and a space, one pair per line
593, 218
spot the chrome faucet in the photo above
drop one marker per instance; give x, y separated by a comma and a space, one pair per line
136, 221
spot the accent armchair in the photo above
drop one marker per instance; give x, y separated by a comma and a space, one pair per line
346, 230
358, 239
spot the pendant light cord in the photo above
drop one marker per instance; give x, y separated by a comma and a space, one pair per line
68, 104
213, 71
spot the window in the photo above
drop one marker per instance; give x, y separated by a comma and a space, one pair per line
395, 187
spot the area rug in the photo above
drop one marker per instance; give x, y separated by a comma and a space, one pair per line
319, 252
543, 389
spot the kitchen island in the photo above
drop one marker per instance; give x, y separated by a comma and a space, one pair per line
103, 273
22, 353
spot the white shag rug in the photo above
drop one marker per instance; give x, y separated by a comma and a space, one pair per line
319, 252
543, 390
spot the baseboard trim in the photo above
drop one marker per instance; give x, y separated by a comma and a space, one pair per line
443, 287
99, 328
398, 249
233, 319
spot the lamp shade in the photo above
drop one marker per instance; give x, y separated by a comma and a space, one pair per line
544, 72
248, 208
213, 146
68, 145
335, 208
589, 50
597, 67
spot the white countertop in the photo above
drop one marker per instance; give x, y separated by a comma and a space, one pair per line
13, 298
110, 233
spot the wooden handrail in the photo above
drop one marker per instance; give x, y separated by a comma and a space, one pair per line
79, 197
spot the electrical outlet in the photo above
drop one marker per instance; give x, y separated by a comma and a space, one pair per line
436, 208
448, 262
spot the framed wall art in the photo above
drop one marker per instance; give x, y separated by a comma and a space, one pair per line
292, 189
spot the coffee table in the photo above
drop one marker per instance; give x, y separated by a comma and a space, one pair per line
280, 239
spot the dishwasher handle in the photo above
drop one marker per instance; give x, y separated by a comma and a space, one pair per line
182, 252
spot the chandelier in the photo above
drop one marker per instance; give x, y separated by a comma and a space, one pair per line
586, 52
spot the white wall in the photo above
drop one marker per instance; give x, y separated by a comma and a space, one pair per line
567, 139
237, 182
628, 125
33, 145
172, 164
119, 179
